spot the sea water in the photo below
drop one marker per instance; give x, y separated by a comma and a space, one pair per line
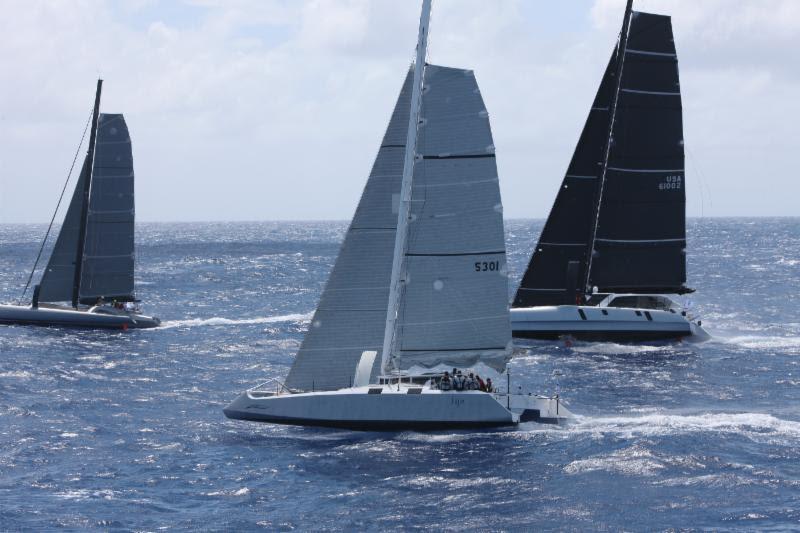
124, 430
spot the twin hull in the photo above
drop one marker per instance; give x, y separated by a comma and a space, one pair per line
364, 408
68, 317
602, 324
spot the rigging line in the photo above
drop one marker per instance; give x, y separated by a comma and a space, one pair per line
700, 174
60, 198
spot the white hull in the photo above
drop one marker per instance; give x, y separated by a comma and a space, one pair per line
363, 408
57, 316
603, 324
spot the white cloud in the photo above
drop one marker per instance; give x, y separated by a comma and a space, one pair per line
252, 109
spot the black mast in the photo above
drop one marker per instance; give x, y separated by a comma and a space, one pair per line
87, 185
621, 48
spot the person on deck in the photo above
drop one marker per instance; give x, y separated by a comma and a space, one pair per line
458, 381
470, 383
489, 386
481, 384
445, 383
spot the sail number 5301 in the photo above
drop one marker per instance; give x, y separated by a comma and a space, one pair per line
487, 266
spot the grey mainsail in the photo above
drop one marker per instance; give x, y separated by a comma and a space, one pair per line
59, 274
108, 254
351, 314
453, 306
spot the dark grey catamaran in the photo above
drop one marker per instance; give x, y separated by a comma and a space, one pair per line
614, 245
92, 263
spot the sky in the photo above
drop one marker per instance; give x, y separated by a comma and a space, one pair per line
274, 109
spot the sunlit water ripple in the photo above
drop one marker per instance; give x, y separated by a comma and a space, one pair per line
124, 430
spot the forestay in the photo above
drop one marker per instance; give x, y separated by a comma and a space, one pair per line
59, 274
351, 314
640, 243
108, 254
453, 306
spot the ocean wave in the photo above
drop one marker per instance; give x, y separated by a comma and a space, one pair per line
220, 321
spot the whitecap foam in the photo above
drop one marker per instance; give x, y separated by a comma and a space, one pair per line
220, 321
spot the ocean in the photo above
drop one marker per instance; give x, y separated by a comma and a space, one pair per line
125, 431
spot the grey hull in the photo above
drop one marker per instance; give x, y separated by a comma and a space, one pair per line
52, 316
392, 409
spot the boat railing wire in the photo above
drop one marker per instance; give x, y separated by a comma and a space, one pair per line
279, 387
52, 220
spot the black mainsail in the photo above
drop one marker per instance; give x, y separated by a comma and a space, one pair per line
618, 222
94, 253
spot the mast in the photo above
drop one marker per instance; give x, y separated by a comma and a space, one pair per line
404, 208
621, 48
87, 185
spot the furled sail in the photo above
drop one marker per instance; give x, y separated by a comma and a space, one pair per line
108, 253
565, 236
640, 243
453, 305
351, 314
59, 274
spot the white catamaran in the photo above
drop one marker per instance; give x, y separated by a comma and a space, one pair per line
419, 285
92, 262
613, 249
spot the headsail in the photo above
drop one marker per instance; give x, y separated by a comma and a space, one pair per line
640, 245
351, 314
59, 274
564, 237
108, 255
453, 307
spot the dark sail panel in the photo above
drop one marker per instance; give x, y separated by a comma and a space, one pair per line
58, 276
108, 255
641, 231
565, 234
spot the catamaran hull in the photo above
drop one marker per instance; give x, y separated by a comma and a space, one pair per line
603, 324
358, 409
68, 317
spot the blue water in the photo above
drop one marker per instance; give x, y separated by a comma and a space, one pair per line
124, 430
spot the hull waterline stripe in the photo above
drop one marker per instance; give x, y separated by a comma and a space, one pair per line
576, 176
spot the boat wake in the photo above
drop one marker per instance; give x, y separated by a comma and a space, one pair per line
764, 342
220, 321
756, 426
